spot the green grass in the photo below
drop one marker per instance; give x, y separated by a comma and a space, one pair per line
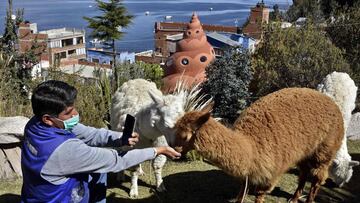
197, 181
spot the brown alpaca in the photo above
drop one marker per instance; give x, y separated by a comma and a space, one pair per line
294, 126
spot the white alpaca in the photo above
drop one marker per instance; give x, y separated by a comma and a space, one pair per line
156, 115
341, 88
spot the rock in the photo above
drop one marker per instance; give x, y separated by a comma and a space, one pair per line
12, 129
353, 131
11, 135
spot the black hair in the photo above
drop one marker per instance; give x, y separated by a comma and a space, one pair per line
52, 97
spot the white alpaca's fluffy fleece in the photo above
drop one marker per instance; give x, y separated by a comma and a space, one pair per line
156, 115
342, 89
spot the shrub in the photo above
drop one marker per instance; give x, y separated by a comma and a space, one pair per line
294, 57
228, 80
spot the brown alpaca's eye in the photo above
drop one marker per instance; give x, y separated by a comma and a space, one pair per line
197, 31
185, 61
203, 59
189, 33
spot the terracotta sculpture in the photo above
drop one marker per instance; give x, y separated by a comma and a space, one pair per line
193, 55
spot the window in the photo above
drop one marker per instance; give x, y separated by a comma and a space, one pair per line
72, 52
63, 55
95, 60
79, 40
158, 49
67, 42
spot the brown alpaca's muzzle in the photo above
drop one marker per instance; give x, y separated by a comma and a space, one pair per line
183, 143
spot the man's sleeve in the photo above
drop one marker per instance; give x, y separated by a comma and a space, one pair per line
74, 156
97, 137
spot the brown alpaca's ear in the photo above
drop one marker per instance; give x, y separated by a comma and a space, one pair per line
201, 120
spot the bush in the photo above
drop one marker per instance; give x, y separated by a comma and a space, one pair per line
294, 57
344, 32
90, 103
129, 71
12, 100
94, 95
228, 80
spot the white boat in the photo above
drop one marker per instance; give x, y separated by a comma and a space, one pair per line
168, 17
147, 13
210, 9
96, 41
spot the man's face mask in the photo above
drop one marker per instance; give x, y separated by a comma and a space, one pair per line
71, 122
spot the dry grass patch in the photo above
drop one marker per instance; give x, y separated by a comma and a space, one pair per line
197, 181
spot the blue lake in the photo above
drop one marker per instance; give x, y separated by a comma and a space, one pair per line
139, 35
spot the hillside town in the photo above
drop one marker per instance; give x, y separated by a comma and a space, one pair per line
68, 48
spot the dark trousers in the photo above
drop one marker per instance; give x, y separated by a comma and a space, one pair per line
97, 187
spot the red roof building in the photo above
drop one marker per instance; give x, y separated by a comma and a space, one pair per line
259, 16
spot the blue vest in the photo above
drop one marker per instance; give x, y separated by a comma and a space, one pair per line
40, 142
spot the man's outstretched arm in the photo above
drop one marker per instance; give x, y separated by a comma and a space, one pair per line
97, 137
74, 156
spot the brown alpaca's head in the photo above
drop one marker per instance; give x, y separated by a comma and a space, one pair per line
187, 128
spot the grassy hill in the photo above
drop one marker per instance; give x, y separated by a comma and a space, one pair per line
197, 181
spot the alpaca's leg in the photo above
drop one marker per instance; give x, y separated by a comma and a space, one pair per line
315, 186
319, 177
260, 196
260, 192
304, 172
157, 164
135, 173
300, 188
320, 163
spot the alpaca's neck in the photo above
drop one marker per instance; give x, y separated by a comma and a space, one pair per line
228, 149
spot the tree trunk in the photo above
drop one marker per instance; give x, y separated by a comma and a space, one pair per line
114, 66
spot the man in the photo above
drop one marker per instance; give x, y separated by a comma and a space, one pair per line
61, 159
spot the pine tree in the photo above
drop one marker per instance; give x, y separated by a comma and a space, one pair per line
275, 15
10, 38
22, 63
228, 80
305, 8
108, 26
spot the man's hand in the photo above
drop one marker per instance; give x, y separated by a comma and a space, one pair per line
168, 151
133, 139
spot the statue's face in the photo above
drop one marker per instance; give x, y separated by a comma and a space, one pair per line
189, 61
194, 33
